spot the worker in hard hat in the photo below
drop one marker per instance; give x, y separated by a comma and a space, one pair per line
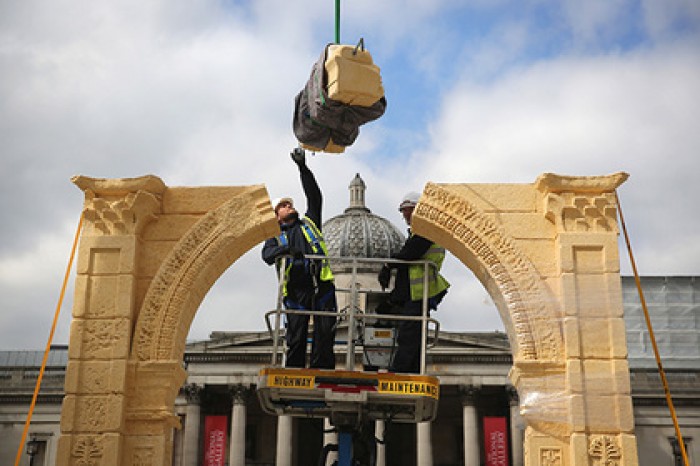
407, 294
308, 283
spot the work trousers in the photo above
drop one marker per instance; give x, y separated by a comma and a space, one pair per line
323, 338
407, 357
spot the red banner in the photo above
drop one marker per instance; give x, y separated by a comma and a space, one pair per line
215, 433
496, 441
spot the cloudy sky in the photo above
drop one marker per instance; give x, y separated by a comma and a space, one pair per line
201, 93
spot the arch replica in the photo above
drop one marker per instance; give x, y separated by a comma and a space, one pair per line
547, 253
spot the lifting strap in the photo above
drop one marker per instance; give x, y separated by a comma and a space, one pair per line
22, 440
667, 391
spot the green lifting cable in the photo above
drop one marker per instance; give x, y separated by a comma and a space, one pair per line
337, 21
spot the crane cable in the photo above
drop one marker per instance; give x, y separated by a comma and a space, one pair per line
48, 345
667, 391
337, 21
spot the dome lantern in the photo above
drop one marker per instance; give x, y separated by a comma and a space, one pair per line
357, 195
358, 232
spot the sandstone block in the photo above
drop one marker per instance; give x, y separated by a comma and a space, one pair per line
99, 339
95, 377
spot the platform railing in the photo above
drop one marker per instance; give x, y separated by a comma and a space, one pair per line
354, 314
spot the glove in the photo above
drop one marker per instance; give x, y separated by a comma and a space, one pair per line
296, 253
299, 156
384, 277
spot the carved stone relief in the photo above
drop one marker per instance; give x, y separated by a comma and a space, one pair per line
102, 337
120, 207
551, 457
88, 451
581, 204
143, 456
605, 451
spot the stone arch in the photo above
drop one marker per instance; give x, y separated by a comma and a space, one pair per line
510, 277
198, 259
150, 253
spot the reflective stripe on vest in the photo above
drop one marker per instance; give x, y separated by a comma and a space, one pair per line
318, 247
436, 282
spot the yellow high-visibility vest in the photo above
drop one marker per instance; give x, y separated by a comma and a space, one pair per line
436, 282
318, 247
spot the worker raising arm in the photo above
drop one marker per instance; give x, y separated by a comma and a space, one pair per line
308, 283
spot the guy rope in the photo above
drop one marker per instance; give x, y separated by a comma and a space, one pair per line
48, 345
667, 391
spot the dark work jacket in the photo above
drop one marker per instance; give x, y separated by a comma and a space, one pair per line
414, 248
300, 286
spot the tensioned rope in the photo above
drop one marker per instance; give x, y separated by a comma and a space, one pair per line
667, 391
48, 345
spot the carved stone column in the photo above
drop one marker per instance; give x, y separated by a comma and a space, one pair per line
424, 444
516, 426
193, 394
284, 441
470, 425
93, 414
240, 395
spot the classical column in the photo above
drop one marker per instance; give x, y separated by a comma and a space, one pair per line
424, 444
330, 436
516, 427
190, 443
284, 441
471, 426
239, 395
379, 427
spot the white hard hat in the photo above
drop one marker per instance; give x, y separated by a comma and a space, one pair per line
409, 200
277, 201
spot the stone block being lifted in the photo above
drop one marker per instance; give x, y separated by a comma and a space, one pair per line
352, 76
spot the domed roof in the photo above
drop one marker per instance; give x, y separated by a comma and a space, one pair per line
358, 232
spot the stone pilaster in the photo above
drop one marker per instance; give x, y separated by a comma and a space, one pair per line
595, 385
92, 420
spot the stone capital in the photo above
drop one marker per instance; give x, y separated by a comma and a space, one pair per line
121, 206
468, 394
193, 393
581, 203
240, 393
